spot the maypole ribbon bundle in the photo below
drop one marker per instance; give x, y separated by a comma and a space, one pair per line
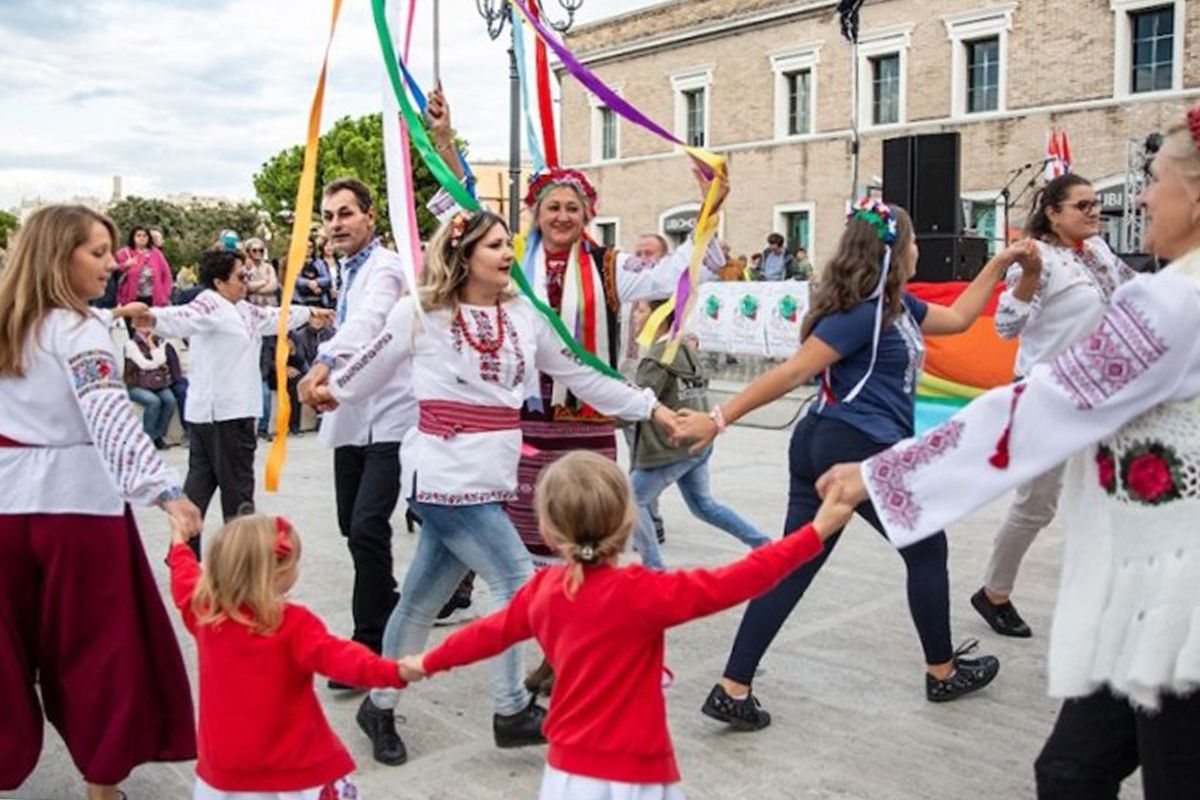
712, 165
300, 232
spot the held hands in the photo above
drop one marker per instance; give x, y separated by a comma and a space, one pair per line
326, 315
695, 426
848, 477
667, 421
184, 519
1024, 252
834, 512
131, 311
317, 377
412, 668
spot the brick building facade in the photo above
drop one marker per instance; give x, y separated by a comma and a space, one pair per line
769, 84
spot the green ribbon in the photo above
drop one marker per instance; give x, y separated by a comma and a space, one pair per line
444, 176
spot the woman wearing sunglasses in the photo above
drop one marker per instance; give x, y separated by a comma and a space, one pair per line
1047, 305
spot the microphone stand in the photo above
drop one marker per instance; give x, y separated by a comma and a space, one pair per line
1006, 193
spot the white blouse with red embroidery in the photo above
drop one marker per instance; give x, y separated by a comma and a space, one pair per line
86, 451
478, 357
1124, 405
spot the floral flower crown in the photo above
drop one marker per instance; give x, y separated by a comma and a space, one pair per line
458, 226
546, 180
877, 214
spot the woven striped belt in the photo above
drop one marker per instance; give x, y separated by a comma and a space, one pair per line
447, 419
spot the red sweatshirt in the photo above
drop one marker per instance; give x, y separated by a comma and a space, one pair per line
608, 717
261, 726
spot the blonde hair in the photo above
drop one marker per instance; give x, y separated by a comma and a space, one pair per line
37, 279
448, 256
242, 569
585, 512
1183, 149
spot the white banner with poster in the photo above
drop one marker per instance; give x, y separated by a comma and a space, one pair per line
750, 318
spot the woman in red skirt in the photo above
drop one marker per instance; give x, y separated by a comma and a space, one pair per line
84, 636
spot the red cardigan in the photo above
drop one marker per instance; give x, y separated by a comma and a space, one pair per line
261, 726
608, 717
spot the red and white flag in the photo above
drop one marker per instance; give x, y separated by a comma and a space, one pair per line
1058, 154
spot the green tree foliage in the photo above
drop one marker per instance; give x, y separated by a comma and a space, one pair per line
352, 148
190, 230
8, 224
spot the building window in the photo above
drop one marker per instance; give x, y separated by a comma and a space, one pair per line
799, 88
606, 233
795, 230
885, 89
1148, 51
691, 106
608, 134
694, 108
795, 90
1152, 49
983, 75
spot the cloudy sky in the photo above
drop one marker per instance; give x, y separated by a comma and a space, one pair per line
193, 95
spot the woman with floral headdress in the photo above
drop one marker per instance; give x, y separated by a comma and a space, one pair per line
864, 336
473, 347
586, 284
1123, 404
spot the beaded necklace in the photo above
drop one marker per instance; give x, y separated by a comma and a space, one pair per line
483, 348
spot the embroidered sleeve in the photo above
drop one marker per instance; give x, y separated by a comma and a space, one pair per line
638, 279
442, 206
1143, 353
607, 395
198, 316
378, 296
127, 452
266, 318
1012, 314
369, 369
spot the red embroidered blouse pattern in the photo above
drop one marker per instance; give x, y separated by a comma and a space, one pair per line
491, 362
890, 470
1121, 349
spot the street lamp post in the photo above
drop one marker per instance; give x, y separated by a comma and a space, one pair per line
497, 14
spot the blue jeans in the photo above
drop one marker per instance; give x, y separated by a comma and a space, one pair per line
455, 540
692, 476
264, 422
158, 408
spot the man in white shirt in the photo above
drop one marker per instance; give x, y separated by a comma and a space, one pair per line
365, 436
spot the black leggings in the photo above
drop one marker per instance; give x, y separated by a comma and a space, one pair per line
817, 444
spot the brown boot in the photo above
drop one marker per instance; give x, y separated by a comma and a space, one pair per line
540, 680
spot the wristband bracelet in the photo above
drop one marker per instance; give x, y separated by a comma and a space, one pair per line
719, 418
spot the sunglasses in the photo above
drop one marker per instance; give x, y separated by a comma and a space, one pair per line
256, 250
1085, 206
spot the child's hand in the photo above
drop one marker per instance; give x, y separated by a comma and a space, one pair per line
834, 512
412, 668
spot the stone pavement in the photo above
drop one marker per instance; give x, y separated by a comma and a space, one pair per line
843, 679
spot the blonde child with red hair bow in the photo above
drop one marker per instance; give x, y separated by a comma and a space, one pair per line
263, 735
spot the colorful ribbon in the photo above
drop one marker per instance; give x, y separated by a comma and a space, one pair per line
545, 105
710, 163
531, 139
301, 221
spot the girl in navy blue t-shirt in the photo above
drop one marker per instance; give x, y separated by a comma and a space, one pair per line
864, 337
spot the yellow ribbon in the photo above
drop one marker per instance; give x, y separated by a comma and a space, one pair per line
300, 232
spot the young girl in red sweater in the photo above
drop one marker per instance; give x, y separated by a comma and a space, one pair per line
602, 629
263, 735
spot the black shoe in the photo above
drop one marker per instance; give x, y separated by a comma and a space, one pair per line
1003, 618
160, 443
338, 686
660, 533
741, 715
379, 724
521, 729
970, 675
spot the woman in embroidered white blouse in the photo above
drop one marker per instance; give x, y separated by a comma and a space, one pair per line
1125, 402
476, 351
1059, 296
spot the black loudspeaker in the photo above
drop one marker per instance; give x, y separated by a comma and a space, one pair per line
950, 258
921, 174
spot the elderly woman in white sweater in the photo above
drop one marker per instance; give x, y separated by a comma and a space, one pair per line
1123, 404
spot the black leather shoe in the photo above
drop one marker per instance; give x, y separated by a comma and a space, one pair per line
1003, 618
741, 715
338, 686
521, 729
970, 675
379, 724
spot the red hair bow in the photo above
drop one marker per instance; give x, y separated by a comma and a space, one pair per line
283, 538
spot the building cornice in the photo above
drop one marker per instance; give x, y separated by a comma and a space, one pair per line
701, 32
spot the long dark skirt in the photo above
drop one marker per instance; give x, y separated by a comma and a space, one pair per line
85, 639
550, 441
